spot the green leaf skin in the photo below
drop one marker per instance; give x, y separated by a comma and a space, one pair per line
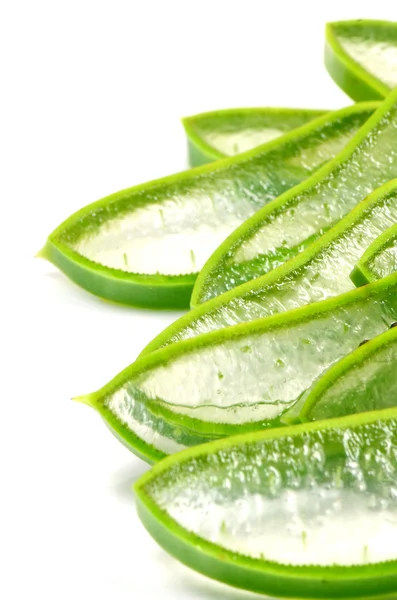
321, 271
144, 246
305, 512
379, 260
365, 380
283, 228
361, 57
214, 135
240, 378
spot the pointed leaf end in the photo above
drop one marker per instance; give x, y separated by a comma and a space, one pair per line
88, 399
44, 252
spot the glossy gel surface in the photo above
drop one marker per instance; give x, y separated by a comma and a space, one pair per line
291, 223
255, 378
127, 410
170, 227
318, 273
365, 380
241, 378
386, 261
322, 496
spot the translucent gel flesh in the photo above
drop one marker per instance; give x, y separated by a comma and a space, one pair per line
232, 132
368, 385
326, 274
172, 229
377, 57
140, 423
231, 143
125, 403
385, 261
149, 240
318, 498
257, 376
283, 232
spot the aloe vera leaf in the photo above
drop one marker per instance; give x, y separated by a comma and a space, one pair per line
307, 511
144, 246
279, 231
143, 431
379, 260
321, 271
244, 377
362, 381
214, 135
361, 57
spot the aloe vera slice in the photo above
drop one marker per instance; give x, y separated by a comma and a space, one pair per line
145, 245
364, 380
361, 57
279, 231
214, 135
307, 511
321, 271
239, 378
379, 260
147, 433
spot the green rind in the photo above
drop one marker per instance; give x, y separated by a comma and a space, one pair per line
257, 575
351, 77
150, 291
144, 291
201, 152
271, 278
253, 223
359, 277
197, 157
362, 272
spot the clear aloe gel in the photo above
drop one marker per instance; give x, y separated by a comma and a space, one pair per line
144, 246
144, 431
379, 260
365, 380
321, 271
239, 378
305, 511
214, 135
361, 57
279, 231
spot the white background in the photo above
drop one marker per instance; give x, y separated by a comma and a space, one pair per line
91, 94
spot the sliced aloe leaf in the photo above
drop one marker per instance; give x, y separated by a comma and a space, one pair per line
321, 271
362, 381
145, 245
240, 378
361, 57
279, 231
143, 431
379, 260
307, 511
214, 135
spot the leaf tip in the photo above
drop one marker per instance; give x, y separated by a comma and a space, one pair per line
44, 253
88, 399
